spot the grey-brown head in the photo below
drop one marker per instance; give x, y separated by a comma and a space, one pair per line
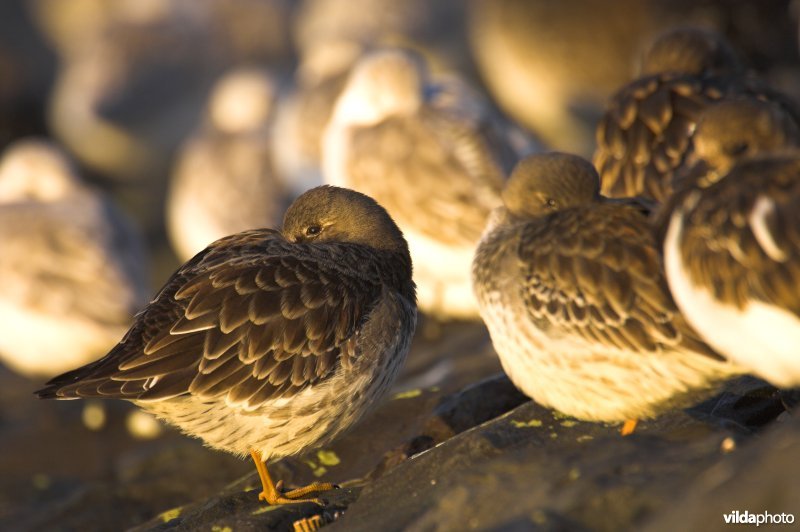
734, 130
333, 214
549, 182
690, 51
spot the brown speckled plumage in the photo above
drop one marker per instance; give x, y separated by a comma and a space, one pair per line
573, 292
732, 237
270, 341
719, 248
645, 136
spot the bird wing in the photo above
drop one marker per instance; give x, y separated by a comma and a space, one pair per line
645, 134
251, 318
741, 240
596, 274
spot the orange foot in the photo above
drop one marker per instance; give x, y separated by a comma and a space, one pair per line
628, 427
273, 494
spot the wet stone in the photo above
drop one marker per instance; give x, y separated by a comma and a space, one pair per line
535, 469
484, 457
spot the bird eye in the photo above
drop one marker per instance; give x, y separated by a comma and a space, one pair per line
551, 203
313, 230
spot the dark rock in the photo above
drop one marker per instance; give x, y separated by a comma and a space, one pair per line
747, 404
59, 475
762, 476
236, 509
535, 469
541, 469
143, 481
485, 457
356, 454
449, 356
475, 404
790, 398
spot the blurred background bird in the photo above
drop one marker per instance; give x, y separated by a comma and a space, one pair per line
132, 80
553, 64
435, 153
225, 181
329, 37
74, 268
156, 57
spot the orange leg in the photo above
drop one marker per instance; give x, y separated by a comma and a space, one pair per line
273, 494
628, 427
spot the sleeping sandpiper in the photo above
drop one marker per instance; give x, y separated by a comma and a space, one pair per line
572, 290
269, 342
732, 247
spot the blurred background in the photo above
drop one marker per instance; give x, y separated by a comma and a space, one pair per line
199, 116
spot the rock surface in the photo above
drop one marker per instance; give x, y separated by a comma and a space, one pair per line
458, 462
483, 457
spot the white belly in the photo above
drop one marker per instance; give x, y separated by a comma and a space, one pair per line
762, 337
443, 277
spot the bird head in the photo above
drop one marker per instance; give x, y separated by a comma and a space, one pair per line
334, 214
735, 130
548, 182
